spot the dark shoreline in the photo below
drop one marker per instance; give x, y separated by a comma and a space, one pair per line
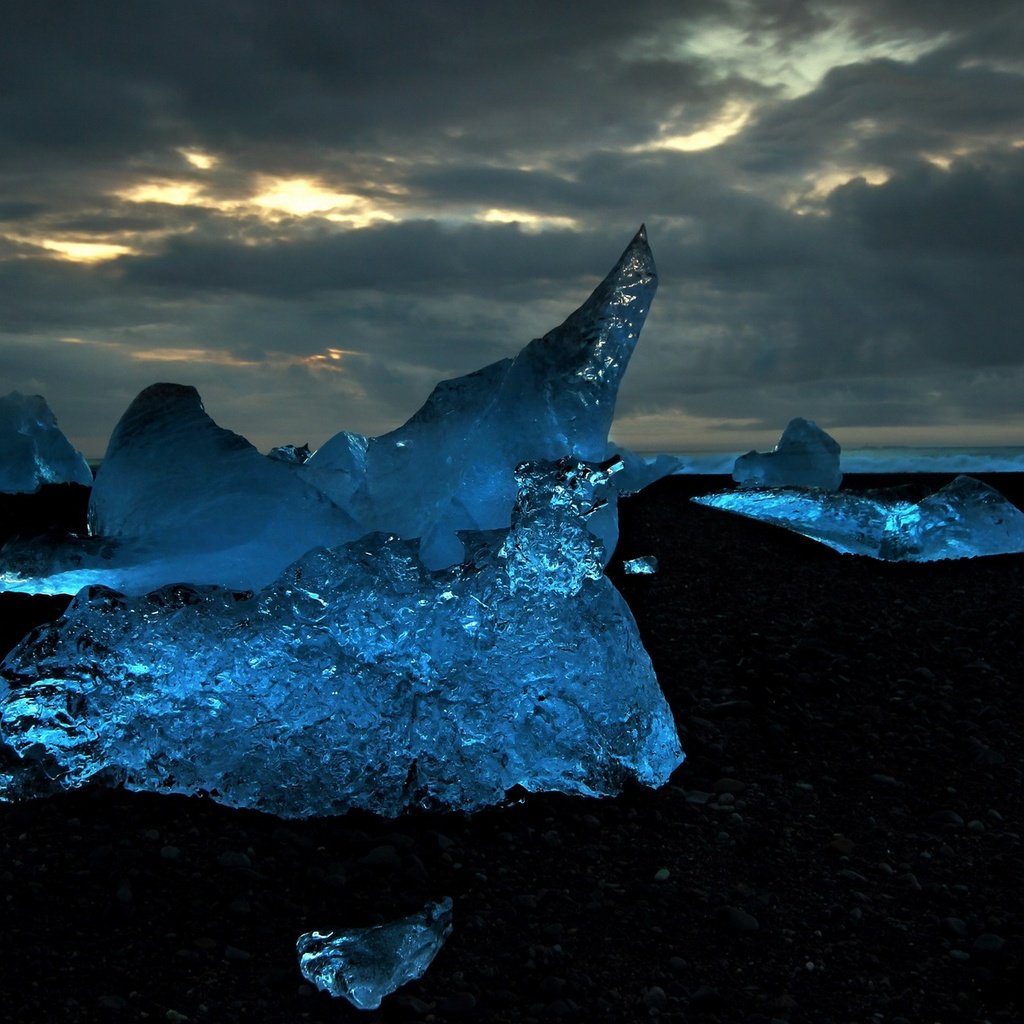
861, 719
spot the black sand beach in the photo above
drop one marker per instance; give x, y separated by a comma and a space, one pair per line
842, 844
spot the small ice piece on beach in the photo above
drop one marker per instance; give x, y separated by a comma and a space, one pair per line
358, 679
364, 965
805, 456
646, 565
296, 454
33, 451
965, 519
451, 466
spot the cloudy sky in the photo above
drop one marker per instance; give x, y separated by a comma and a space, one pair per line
313, 211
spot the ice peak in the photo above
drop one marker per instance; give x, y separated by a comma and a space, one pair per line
33, 451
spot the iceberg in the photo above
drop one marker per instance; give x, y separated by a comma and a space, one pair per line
179, 499
366, 964
805, 456
33, 451
359, 678
451, 466
965, 519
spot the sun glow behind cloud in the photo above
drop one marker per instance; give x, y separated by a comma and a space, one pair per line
174, 193
303, 197
530, 222
729, 121
84, 252
198, 159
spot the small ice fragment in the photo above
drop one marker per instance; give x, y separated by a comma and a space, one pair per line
644, 566
366, 964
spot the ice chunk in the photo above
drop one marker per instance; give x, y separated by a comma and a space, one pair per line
33, 451
647, 565
451, 466
964, 519
643, 470
296, 454
366, 964
805, 456
187, 501
179, 499
359, 678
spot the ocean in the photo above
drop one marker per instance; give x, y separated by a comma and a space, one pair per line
1004, 459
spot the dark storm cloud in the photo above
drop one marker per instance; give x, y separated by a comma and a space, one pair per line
789, 285
883, 111
126, 75
971, 209
389, 258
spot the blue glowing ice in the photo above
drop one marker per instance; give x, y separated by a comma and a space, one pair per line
964, 519
646, 565
451, 467
180, 499
33, 451
359, 678
805, 456
366, 964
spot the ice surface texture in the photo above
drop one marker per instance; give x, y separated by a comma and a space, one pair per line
33, 451
359, 678
451, 467
805, 456
366, 964
964, 519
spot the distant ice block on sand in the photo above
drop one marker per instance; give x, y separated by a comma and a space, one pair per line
451, 467
363, 965
33, 451
358, 679
965, 519
805, 456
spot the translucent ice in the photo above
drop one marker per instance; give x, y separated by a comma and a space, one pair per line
296, 454
647, 565
366, 964
964, 519
451, 467
179, 499
805, 456
359, 678
33, 451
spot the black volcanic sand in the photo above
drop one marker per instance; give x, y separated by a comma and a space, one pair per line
843, 843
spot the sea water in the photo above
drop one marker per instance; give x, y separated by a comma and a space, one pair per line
998, 459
